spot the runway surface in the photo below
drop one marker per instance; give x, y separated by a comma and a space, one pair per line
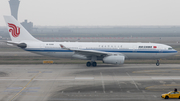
23, 53
76, 82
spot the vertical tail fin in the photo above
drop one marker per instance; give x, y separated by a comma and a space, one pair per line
16, 31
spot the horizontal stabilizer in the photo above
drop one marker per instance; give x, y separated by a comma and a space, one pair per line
21, 45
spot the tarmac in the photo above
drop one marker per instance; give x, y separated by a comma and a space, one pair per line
76, 82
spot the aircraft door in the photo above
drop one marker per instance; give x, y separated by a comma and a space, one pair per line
42, 45
160, 49
134, 48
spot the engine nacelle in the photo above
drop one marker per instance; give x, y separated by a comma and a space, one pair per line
114, 59
22, 45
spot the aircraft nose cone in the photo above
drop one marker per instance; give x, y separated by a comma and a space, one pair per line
175, 51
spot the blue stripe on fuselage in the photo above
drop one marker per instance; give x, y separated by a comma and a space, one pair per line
104, 50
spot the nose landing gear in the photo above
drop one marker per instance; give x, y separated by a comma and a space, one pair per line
157, 63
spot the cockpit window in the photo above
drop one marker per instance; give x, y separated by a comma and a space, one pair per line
170, 48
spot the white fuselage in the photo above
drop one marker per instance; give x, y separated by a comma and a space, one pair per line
112, 53
129, 50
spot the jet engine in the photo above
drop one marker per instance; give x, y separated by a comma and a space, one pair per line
112, 59
22, 45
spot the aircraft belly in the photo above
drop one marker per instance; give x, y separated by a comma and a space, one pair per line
165, 55
140, 55
147, 55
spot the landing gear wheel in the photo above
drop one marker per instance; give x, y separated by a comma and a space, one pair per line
166, 97
157, 64
94, 64
88, 64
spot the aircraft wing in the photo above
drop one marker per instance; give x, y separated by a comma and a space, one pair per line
90, 52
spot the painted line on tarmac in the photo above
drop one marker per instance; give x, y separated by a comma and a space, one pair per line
18, 91
46, 72
133, 81
33, 71
102, 79
128, 91
164, 78
24, 87
157, 87
35, 79
99, 99
147, 78
84, 78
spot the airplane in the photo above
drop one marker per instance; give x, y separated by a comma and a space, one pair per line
108, 52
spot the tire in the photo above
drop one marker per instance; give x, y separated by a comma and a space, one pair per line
88, 64
157, 64
167, 97
94, 64
179, 97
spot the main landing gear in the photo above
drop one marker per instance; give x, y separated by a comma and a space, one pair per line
94, 64
157, 63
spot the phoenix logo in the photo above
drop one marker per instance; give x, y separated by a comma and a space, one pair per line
15, 30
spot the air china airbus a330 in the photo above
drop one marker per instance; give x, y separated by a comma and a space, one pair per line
111, 53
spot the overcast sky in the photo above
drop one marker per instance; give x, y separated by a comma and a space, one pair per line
96, 12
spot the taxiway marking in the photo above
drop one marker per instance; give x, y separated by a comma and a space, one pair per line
133, 81
102, 79
24, 87
84, 78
